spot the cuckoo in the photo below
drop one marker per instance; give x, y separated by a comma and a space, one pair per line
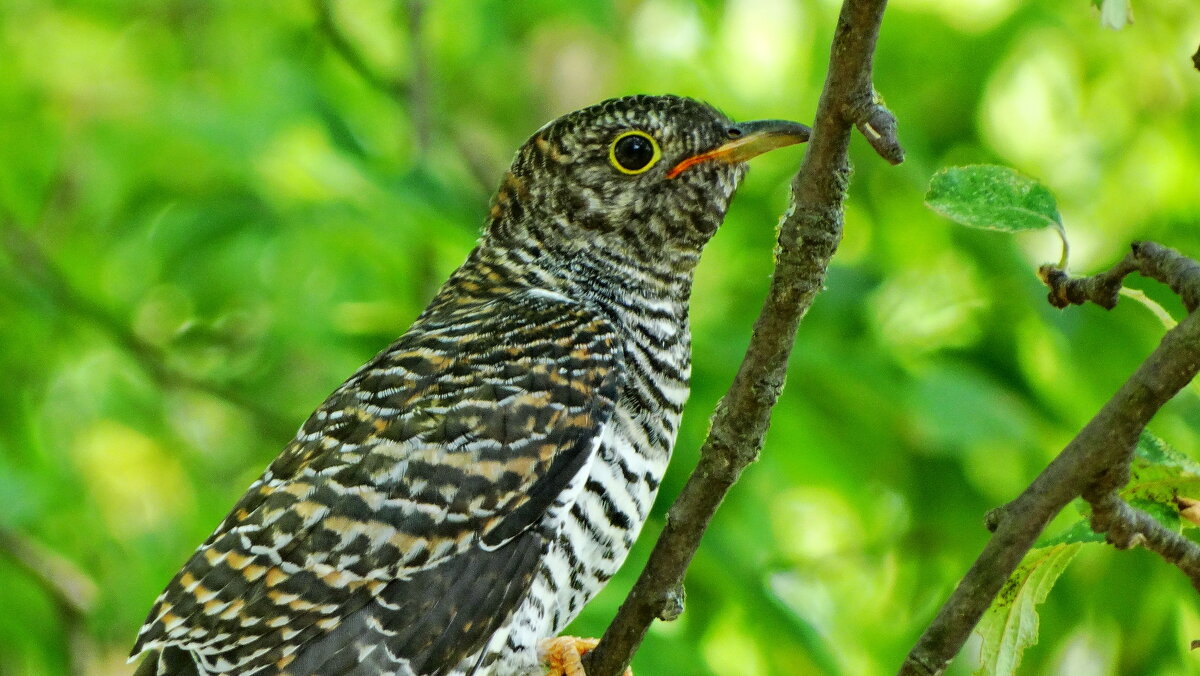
456, 502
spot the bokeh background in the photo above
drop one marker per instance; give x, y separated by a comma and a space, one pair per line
213, 212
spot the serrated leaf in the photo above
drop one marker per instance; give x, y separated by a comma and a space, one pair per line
1155, 450
1157, 475
1161, 478
1011, 624
1166, 514
1078, 533
993, 198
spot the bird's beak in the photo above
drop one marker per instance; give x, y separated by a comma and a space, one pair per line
748, 139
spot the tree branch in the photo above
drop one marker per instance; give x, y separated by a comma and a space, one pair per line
808, 237
1127, 527
1093, 464
1152, 260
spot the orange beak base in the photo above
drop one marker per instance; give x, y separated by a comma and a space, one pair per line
749, 139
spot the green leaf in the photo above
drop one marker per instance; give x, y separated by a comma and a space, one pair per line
1165, 513
1078, 532
1152, 450
1158, 473
993, 198
1011, 624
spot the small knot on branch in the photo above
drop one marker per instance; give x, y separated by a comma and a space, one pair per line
1103, 289
673, 602
878, 125
1107, 481
1149, 259
993, 519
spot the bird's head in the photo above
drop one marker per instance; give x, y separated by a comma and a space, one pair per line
647, 174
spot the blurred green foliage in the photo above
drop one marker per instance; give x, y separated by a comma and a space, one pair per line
210, 218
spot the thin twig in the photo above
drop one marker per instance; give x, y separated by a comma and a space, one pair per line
1094, 463
62, 580
71, 590
1127, 527
484, 169
394, 88
808, 237
1180, 273
1149, 259
418, 87
416, 94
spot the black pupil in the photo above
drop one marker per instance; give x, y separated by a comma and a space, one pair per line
633, 152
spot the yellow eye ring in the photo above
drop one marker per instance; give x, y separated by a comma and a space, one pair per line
634, 152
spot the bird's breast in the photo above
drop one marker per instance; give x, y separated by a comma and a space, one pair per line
624, 476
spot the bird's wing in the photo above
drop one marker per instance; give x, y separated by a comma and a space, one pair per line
454, 442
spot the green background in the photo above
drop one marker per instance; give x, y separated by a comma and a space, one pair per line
210, 219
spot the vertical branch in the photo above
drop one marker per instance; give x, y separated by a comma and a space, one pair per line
415, 91
808, 237
418, 85
426, 273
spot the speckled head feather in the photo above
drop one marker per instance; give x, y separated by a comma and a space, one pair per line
563, 186
467, 491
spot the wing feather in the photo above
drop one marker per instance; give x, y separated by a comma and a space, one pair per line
454, 441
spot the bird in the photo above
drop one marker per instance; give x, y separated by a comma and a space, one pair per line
455, 503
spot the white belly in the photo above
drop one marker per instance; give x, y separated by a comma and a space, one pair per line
588, 550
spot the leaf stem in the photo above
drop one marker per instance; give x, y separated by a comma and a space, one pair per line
1157, 310
1066, 249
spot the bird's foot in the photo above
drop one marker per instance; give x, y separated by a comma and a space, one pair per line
563, 655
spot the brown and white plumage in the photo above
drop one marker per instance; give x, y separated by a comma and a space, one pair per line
464, 493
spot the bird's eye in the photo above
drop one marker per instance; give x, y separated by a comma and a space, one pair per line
633, 152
